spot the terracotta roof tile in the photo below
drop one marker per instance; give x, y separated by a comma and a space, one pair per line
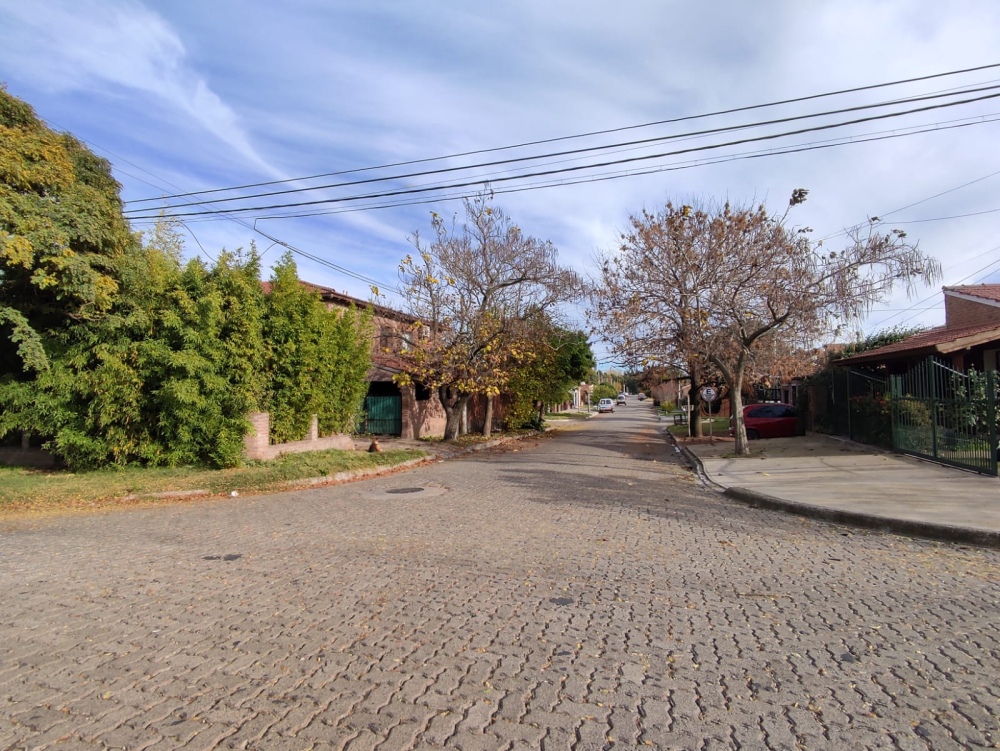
935, 339
985, 291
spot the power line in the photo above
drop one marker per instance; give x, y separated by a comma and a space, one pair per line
590, 134
591, 166
576, 152
603, 177
243, 223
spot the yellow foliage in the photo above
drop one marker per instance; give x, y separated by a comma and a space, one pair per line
18, 251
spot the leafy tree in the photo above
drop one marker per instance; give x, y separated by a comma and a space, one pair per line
560, 360
714, 287
603, 391
473, 290
63, 238
166, 377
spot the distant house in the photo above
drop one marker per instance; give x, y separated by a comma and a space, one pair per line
408, 411
969, 338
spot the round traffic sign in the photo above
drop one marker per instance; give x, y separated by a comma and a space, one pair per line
708, 393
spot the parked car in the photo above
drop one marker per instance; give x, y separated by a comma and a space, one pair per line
621, 399
605, 405
768, 421
641, 397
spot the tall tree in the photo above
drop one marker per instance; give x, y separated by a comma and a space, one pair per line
647, 300
315, 360
558, 360
743, 277
472, 289
63, 238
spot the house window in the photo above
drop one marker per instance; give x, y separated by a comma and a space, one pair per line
421, 392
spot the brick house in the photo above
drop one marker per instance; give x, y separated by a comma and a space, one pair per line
969, 338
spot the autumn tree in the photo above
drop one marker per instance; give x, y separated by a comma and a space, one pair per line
646, 302
747, 288
473, 289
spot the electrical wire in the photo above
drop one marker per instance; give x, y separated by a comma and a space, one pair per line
577, 152
525, 144
547, 173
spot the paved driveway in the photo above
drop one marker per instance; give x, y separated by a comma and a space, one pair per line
578, 591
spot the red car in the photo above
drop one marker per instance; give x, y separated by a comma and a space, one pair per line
769, 421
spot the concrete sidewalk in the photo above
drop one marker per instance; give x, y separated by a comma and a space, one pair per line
829, 478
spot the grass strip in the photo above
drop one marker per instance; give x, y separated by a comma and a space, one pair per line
38, 490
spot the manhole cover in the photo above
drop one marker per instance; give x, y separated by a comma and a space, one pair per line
397, 491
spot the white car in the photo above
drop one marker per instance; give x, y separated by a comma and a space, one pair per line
605, 405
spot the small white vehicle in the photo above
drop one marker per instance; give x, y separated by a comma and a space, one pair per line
605, 405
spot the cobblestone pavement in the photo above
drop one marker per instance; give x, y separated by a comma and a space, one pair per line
578, 591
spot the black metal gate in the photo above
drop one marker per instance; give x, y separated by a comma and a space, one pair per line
858, 407
943, 414
383, 415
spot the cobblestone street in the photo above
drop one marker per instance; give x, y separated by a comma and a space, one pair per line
577, 591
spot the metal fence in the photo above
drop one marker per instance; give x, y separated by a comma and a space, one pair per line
858, 408
943, 414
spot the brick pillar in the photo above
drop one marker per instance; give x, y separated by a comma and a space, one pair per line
258, 439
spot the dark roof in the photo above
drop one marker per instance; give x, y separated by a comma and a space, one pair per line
939, 340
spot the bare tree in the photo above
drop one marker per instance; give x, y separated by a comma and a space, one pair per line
474, 289
742, 277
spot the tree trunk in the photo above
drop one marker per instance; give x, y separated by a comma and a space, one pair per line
694, 398
736, 405
488, 424
453, 405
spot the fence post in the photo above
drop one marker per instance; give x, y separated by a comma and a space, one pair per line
932, 391
991, 418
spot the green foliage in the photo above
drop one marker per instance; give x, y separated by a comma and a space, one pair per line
63, 238
563, 360
125, 356
602, 391
878, 339
315, 359
871, 419
167, 377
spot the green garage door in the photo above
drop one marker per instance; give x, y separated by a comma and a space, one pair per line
383, 415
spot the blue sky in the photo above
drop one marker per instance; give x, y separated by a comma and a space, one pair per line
190, 95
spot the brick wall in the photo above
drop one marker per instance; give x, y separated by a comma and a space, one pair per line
257, 445
959, 312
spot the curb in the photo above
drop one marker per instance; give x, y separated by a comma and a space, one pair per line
363, 474
906, 527
335, 479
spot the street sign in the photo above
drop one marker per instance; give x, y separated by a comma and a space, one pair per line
708, 393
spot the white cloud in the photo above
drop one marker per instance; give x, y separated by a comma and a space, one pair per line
117, 47
318, 87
